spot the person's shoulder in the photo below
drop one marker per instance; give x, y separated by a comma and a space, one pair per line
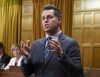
12, 59
6, 55
69, 39
39, 40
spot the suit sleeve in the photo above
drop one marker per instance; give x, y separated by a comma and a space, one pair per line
6, 59
71, 60
27, 67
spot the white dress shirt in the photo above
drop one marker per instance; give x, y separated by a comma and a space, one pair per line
13, 61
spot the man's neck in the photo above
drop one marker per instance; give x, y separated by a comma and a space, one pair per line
51, 33
54, 35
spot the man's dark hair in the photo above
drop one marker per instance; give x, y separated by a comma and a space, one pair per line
1, 45
57, 12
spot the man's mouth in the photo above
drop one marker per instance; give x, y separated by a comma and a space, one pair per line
46, 25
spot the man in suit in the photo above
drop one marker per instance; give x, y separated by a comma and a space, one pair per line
63, 59
4, 58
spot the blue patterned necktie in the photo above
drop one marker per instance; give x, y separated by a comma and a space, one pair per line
47, 47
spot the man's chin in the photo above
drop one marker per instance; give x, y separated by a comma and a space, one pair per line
47, 30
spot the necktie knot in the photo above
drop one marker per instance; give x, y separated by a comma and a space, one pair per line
49, 38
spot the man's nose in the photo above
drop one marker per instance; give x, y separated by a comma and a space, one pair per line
46, 20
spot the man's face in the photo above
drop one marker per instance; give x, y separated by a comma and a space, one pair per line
50, 22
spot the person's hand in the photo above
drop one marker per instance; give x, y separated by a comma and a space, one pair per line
25, 49
56, 47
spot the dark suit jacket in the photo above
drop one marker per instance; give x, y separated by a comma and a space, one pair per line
69, 65
5, 59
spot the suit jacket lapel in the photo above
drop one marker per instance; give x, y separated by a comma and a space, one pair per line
51, 53
49, 57
61, 37
61, 40
40, 52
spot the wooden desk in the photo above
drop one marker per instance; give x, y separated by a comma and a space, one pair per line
11, 74
14, 71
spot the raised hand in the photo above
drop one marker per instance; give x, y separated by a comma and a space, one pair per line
56, 47
25, 49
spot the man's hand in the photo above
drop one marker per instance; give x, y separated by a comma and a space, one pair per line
25, 49
56, 47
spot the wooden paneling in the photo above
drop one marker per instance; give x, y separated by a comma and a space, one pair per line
97, 35
78, 4
96, 57
87, 56
77, 20
86, 30
93, 73
96, 18
87, 18
91, 4
27, 23
27, 20
27, 35
87, 35
80, 33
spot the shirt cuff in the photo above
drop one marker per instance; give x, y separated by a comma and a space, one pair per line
26, 60
60, 57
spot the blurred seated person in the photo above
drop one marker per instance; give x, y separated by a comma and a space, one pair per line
17, 56
4, 58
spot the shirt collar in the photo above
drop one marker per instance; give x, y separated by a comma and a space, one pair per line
1, 55
54, 36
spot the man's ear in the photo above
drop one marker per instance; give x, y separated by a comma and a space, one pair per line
59, 20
